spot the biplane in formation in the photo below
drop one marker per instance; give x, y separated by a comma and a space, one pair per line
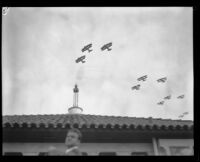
85, 48
180, 97
162, 79
81, 59
182, 115
160, 103
137, 87
143, 78
107, 46
167, 97
185, 113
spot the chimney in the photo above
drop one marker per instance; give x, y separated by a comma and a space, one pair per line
75, 109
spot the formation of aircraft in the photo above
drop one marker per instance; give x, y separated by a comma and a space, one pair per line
104, 47
137, 87
167, 97
81, 59
87, 47
107, 46
143, 78
162, 79
160, 103
180, 97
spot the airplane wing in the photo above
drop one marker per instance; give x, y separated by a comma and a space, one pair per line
162, 79
108, 45
136, 87
167, 97
159, 80
182, 96
142, 78
161, 103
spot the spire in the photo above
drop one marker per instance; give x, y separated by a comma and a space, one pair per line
75, 109
76, 88
75, 96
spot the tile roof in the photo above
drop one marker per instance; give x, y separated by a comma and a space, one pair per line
96, 121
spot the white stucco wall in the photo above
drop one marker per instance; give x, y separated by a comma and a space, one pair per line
163, 147
90, 148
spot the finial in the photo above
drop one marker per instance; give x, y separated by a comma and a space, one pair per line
76, 88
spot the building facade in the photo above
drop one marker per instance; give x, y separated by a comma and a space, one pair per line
33, 134
102, 135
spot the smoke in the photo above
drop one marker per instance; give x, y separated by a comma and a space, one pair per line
80, 74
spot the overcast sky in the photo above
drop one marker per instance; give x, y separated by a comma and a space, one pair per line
40, 46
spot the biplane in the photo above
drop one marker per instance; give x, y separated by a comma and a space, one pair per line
185, 113
107, 46
143, 78
181, 116
180, 97
85, 48
167, 97
162, 79
160, 103
81, 59
137, 87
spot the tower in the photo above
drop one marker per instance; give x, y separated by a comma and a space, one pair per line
75, 109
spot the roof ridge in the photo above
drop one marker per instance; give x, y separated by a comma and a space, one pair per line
99, 115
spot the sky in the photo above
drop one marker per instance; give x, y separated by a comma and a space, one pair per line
40, 46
